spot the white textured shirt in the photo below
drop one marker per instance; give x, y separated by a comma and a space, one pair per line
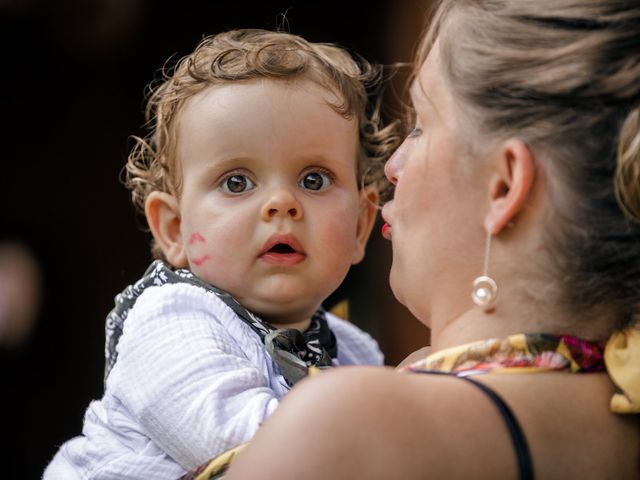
191, 381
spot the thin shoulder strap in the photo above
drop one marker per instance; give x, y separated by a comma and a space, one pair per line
525, 465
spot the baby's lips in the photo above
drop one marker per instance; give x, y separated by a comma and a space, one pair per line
282, 239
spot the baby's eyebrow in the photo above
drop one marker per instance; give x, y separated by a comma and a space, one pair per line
230, 162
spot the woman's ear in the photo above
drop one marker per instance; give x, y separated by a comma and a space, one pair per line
510, 184
163, 216
366, 220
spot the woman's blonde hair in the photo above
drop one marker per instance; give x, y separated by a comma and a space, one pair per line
243, 55
563, 76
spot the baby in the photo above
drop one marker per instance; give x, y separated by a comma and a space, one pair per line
258, 180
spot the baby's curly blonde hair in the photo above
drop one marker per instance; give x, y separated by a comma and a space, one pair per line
241, 55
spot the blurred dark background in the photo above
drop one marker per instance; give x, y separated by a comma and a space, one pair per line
73, 78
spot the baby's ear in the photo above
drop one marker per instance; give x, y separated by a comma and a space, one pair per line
366, 220
163, 216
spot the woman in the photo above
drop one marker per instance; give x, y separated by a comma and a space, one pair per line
516, 218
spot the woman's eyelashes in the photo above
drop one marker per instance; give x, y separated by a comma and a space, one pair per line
236, 183
414, 132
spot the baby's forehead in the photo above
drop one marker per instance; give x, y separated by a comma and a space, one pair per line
329, 94
238, 105
264, 117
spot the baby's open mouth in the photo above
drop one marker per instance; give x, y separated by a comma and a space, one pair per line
282, 248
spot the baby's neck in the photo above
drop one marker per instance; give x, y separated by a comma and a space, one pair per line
282, 316
302, 325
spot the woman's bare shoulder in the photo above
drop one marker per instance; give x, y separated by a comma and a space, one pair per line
567, 422
360, 422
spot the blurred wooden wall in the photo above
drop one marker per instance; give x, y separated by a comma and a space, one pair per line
74, 74
373, 306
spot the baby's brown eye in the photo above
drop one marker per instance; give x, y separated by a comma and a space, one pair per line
237, 184
315, 181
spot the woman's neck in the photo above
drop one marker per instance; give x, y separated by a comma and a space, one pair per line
508, 319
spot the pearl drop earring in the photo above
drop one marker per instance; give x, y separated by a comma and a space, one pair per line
485, 289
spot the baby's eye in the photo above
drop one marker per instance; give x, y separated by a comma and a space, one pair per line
237, 184
316, 181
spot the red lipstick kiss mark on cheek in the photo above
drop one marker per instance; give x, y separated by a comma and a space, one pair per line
200, 260
196, 237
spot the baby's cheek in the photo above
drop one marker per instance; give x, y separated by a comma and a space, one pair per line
201, 260
211, 268
197, 250
204, 257
338, 234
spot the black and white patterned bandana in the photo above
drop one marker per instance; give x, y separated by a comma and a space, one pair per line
292, 351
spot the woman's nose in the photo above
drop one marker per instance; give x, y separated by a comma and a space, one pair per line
281, 202
392, 167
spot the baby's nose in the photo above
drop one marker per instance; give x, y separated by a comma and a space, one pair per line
281, 202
